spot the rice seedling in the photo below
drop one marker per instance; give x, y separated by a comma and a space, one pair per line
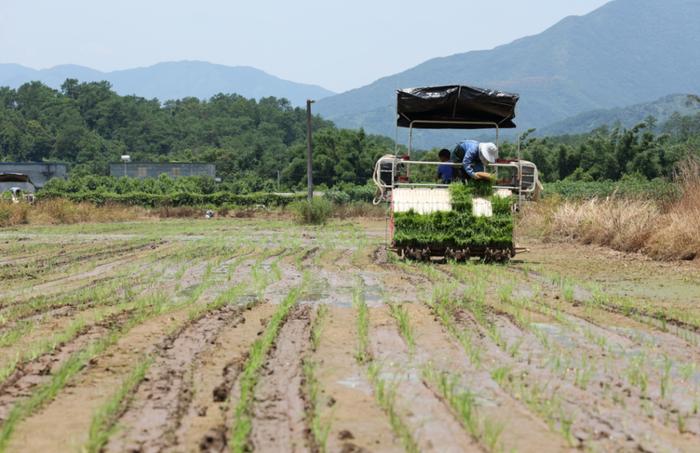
400, 314
681, 422
583, 374
386, 396
317, 326
500, 374
319, 428
362, 355
636, 373
665, 381
463, 403
567, 291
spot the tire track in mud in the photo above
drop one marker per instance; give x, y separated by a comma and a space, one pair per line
279, 415
432, 425
204, 425
172, 406
355, 421
163, 397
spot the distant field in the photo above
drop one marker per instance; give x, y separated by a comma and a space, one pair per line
254, 334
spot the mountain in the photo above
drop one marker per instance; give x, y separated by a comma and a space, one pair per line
172, 80
625, 52
661, 109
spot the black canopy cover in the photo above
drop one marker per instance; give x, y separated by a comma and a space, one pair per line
445, 104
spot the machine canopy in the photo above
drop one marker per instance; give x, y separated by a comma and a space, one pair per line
443, 106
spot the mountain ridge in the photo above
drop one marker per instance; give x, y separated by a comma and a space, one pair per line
625, 52
628, 116
171, 80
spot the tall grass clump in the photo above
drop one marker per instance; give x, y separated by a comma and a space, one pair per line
679, 234
662, 230
13, 214
314, 212
59, 211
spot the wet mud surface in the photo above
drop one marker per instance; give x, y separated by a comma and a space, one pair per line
566, 348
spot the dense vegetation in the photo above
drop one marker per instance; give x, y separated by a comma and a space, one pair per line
186, 191
611, 153
254, 143
259, 146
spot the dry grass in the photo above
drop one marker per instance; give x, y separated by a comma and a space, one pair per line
13, 214
177, 212
631, 225
357, 209
58, 211
678, 236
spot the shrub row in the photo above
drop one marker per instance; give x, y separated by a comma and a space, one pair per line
656, 189
175, 199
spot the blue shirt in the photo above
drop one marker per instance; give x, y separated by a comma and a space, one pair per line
445, 173
471, 161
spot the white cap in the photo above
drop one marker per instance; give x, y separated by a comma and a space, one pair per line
488, 152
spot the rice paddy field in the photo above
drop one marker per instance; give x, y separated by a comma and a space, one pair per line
260, 335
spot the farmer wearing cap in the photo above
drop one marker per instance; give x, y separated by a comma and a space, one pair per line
474, 157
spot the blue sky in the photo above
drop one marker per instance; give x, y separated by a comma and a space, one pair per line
339, 45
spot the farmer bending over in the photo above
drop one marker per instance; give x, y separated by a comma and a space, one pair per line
445, 172
474, 157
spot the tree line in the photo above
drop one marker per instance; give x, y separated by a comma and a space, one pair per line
260, 145
609, 153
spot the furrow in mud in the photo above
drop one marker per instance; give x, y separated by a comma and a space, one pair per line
77, 279
151, 421
29, 376
279, 418
204, 424
432, 425
65, 422
521, 430
112, 255
357, 423
594, 421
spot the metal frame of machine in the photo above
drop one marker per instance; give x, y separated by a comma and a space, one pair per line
388, 169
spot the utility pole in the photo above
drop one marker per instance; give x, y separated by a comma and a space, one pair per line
309, 148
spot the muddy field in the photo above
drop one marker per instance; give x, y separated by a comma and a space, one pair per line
239, 335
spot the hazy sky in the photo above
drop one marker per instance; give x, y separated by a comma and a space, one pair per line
339, 45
